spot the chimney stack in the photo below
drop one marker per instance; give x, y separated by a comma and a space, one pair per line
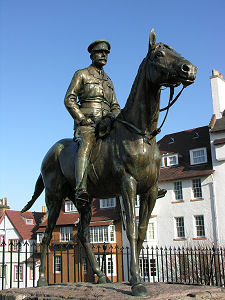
218, 93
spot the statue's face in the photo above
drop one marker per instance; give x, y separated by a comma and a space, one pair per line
99, 58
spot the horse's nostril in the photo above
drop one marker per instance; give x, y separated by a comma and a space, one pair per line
185, 68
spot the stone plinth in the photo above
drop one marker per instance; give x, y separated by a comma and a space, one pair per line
89, 291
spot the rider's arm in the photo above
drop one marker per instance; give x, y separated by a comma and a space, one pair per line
70, 100
114, 106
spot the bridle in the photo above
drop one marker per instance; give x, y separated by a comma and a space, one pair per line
171, 102
158, 130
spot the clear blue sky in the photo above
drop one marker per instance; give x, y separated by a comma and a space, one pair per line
44, 42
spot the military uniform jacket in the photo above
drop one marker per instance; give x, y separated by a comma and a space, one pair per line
95, 92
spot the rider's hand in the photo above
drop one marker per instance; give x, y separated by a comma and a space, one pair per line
86, 122
104, 127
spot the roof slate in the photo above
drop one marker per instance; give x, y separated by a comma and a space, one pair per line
185, 141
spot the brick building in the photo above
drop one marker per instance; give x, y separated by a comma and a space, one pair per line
66, 261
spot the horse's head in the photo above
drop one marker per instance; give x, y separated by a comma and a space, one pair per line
166, 67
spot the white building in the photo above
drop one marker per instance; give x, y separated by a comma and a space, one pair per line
18, 265
217, 137
192, 213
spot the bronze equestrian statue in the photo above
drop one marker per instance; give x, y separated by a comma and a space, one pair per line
126, 162
98, 105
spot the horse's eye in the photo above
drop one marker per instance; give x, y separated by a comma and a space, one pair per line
159, 54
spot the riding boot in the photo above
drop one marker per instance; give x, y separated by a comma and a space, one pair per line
81, 194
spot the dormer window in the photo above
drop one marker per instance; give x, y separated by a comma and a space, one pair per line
196, 135
29, 221
70, 207
169, 160
198, 156
171, 141
107, 203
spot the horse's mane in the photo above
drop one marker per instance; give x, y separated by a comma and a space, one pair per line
133, 91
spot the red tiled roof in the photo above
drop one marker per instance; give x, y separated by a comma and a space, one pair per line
174, 173
99, 217
26, 231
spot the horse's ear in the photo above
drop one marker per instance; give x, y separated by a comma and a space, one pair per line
152, 38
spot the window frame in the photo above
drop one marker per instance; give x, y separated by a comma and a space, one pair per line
69, 207
102, 234
5, 269
167, 158
180, 228
68, 231
14, 248
177, 191
16, 269
2, 238
107, 203
197, 225
197, 190
192, 156
57, 264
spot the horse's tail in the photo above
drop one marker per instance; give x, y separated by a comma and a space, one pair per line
39, 187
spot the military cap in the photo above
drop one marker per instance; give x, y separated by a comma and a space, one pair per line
99, 45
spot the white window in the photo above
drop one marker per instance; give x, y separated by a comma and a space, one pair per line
198, 156
58, 264
84, 263
169, 160
146, 265
16, 273
66, 233
178, 190
2, 239
197, 188
40, 237
180, 233
29, 221
108, 265
137, 201
70, 207
14, 245
101, 234
151, 231
108, 203
2, 270
200, 226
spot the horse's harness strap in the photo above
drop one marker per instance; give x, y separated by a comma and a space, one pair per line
158, 130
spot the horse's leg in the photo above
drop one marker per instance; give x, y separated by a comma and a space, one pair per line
147, 203
54, 203
128, 190
83, 234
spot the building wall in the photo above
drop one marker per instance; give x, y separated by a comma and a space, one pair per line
167, 209
74, 255
218, 159
11, 258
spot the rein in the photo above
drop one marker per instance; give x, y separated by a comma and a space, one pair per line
158, 130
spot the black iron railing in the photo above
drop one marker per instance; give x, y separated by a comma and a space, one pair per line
66, 262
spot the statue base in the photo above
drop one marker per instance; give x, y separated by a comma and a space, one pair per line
120, 290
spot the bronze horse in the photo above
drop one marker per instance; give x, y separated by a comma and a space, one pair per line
125, 163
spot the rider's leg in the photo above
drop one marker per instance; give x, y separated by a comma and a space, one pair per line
85, 135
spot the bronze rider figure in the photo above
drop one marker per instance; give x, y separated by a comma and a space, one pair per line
97, 102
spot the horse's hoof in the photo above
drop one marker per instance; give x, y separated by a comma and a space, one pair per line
103, 279
42, 282
139, 290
